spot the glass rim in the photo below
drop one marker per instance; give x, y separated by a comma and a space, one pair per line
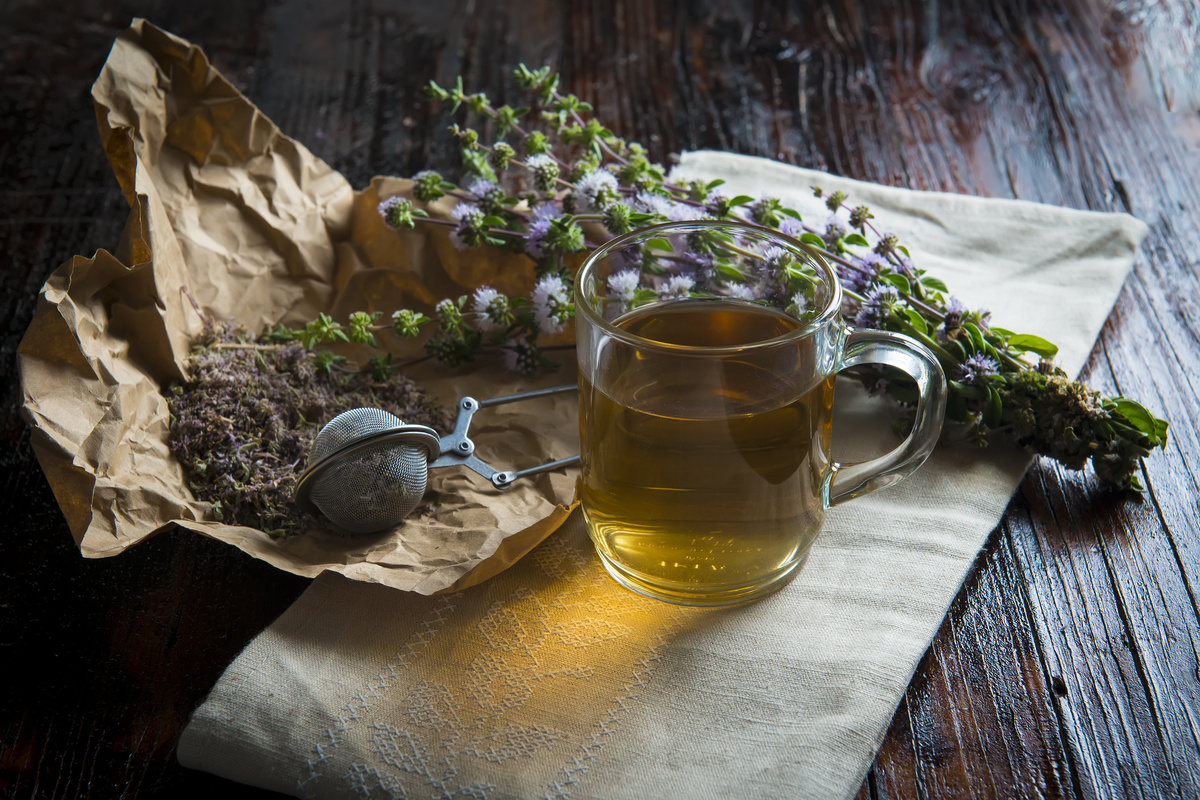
832, 307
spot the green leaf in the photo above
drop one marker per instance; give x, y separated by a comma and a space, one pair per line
899, 281
995, 408
1137, 416
643, 296
813, 239
727, 270
659, 244
917, 321
934, 283
976, 337
956, 406
857, 239
741, 200
1034, 344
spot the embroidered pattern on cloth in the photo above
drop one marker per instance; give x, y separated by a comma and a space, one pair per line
521, 682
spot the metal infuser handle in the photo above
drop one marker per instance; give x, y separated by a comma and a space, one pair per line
457, 449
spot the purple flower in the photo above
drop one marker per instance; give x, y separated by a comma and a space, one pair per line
775, 268
877, 306
469, 231
859, 273
834, 230
535, 236
791, 227
978, 368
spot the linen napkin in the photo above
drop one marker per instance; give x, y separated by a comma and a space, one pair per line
551, 681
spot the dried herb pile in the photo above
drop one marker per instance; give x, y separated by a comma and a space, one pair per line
244, 425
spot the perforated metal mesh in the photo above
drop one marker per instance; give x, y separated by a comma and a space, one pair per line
373, 489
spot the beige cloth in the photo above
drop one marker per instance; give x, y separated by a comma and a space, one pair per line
551, 681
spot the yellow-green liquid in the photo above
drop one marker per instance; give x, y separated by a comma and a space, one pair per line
701, 482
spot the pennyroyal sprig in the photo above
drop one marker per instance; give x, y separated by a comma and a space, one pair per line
556, 182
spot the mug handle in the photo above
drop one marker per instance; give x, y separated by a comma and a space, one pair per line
896, 350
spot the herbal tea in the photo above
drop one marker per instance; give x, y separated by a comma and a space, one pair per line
702, 477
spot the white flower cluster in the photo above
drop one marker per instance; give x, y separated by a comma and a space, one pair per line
551, 304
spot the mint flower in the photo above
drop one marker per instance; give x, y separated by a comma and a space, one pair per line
677, 286
624, 283
791, 227
449, 316
858, 274
834, 231
397, 212
490, 196
521, 357
767, 211
551, 304
596, 192
798, 305
535, 236
501, 154
564, 236
493, 309
682, 212
428, 186
618, 218
407, 323
977, 369
877, 306
535, 144
470, 231
545, 171
776, 261
648, 203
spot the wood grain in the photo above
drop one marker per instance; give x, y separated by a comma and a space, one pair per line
1069, 664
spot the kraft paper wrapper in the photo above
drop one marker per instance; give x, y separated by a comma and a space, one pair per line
228, 212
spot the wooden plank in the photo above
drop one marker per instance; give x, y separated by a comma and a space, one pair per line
1067, 667
977, 720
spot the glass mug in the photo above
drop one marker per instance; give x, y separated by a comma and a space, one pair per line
707, 357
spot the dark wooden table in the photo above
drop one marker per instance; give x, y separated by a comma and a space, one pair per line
1068, 666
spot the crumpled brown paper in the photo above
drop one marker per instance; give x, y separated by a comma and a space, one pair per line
228, 213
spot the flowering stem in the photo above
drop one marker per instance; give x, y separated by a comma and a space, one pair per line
243, 346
